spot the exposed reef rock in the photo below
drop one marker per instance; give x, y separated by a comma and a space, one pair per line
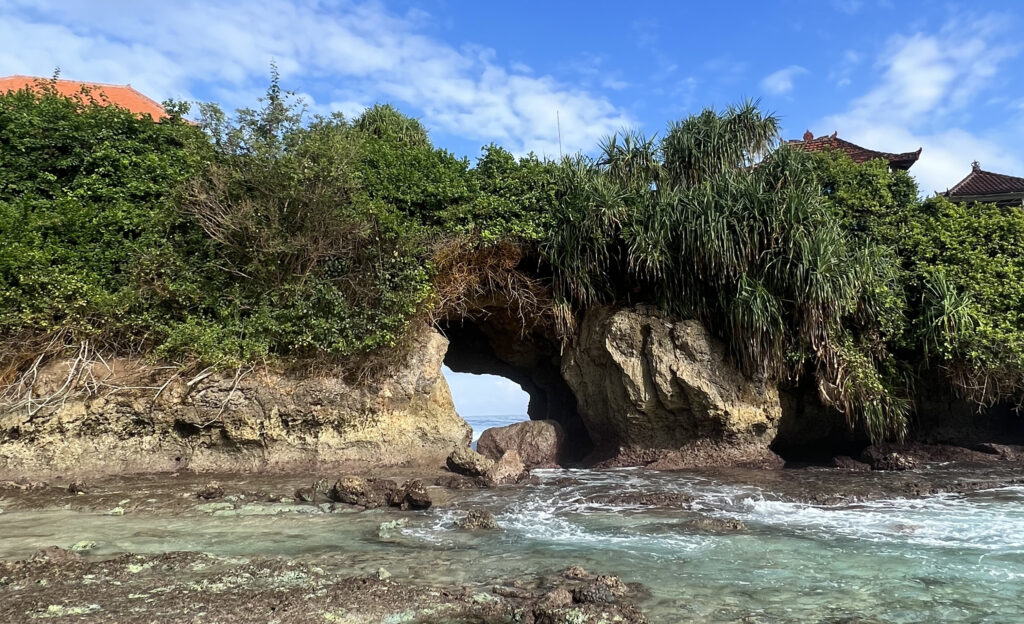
643, 381
538, 442
124, 416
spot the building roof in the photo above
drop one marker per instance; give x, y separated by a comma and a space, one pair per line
859, 154
117, 95
985, 184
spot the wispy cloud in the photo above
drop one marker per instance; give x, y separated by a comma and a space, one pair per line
781, 82
927, 87
348, 53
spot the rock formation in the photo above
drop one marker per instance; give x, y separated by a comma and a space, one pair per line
125, 416
538, 442
643, 381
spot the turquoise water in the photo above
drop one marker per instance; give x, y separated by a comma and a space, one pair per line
946, 558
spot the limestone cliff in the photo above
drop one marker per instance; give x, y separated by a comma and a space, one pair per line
123, 416
643, 381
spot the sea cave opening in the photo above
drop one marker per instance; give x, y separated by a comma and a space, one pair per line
499, 376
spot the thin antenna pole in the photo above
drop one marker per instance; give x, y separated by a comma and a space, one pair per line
558, 120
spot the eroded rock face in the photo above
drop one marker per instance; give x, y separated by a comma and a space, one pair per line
146, 418
643, 381
538, 442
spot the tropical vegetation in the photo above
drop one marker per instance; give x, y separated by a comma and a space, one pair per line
276, 237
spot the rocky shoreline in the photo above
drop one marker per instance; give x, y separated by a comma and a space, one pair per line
70, 579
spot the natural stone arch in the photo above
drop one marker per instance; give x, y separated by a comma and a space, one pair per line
497, 345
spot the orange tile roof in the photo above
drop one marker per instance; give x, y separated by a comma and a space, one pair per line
117, 95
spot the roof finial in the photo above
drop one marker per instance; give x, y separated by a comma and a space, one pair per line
975, 166
808, 136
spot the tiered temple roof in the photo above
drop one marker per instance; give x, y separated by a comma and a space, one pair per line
988, 187
859, 154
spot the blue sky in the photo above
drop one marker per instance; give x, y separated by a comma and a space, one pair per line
891, 75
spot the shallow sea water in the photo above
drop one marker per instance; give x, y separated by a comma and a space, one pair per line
945, 558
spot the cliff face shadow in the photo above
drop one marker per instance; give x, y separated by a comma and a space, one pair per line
497, 346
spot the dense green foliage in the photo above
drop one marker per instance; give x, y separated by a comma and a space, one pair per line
88, 232
701, 225
960, 303
269, 235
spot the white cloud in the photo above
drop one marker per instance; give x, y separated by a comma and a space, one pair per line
781, 82
351, 53
928, 84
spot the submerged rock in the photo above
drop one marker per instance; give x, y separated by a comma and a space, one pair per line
718, 525
644, 381
538, 442
478, 520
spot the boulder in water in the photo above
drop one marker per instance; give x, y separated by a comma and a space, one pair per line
368, 493
412, 495
538, 442
507, 470
477, 520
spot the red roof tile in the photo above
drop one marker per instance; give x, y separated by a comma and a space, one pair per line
856, 152
980, 183
117, 95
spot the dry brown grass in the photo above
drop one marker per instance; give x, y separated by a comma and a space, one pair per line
474, 280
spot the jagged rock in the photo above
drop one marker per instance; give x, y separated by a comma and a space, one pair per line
557, 598
305, 495
645, 381
477, 520
507, 470
368, 493
211, 491
604, 589
264, 420
576, 573
412, 495
882, 458
467, 462
538, 442
1004, 451
83, 546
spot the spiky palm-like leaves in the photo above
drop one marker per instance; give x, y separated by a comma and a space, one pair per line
707, 227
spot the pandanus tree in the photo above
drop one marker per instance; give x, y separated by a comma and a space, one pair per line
718, 221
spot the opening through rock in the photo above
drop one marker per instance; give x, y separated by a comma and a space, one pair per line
490, 347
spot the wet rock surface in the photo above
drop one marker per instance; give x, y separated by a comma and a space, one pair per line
194, 587
478, 520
